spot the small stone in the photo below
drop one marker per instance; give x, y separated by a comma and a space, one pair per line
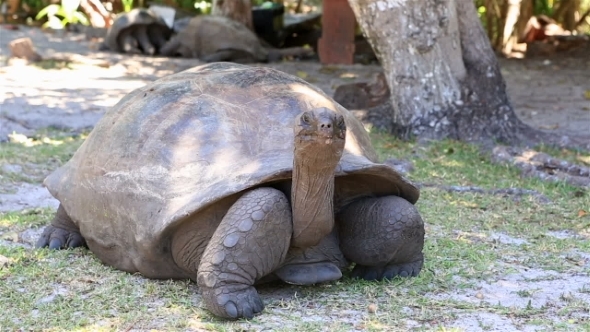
23, 48
372, 308
479, 295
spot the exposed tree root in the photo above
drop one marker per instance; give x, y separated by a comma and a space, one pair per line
370, 103
543, 166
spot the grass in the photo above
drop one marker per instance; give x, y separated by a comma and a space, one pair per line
474, 241
30, 159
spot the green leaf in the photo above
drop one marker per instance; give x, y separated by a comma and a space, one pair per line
50, 10
80, 17
70, 6
54, 23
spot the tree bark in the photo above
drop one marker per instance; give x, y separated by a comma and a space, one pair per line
237, 10
512, 15
567, 13
443, 75
98, 15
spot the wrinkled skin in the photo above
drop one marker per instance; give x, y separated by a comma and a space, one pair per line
302, 227
137, 32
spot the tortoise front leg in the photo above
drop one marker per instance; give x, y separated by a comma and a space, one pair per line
156, 35
383, 236
317, 264
62, 233
250, 242
128, 43
141, 35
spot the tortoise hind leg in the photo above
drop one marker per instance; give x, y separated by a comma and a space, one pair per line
128, 43
62, 233
250, 242
383, 236
141, 35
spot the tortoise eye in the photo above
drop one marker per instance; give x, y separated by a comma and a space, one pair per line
340, 122
306, 118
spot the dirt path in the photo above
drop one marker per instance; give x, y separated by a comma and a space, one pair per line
546, 94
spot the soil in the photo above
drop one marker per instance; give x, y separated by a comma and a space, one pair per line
72, 91
549, 94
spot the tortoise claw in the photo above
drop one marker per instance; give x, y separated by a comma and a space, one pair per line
59, 238
234, 301
387, 272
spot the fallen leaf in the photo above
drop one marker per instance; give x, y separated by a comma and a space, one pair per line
10, 236
584, 159
587, 94
328, 69
349, 75
5, 261
582, 213
551, 127
302, 74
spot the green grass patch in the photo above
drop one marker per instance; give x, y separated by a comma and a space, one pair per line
30, 159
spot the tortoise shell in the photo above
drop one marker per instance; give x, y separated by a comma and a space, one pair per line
169, 150
133, 18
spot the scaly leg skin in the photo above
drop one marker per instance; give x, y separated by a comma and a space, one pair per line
144, 40
128, 42
62, 233
251, 241
156, 36
383, 236
321, 263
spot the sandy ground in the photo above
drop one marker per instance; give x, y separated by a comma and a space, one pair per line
547, 94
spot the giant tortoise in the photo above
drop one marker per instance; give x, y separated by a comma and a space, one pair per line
212, 38
234, 175
139, 31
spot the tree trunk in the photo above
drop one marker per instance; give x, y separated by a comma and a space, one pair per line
237, 10
443, 75
567, 13
512, 15
98, 15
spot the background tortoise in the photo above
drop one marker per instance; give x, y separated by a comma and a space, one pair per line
139, 31
213, 38
232, 175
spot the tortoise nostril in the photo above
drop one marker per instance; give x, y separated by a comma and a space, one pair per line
323, 125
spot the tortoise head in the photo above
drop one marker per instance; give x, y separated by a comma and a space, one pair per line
320, 130
319, 143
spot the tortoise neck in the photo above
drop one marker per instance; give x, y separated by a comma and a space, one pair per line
312, 193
